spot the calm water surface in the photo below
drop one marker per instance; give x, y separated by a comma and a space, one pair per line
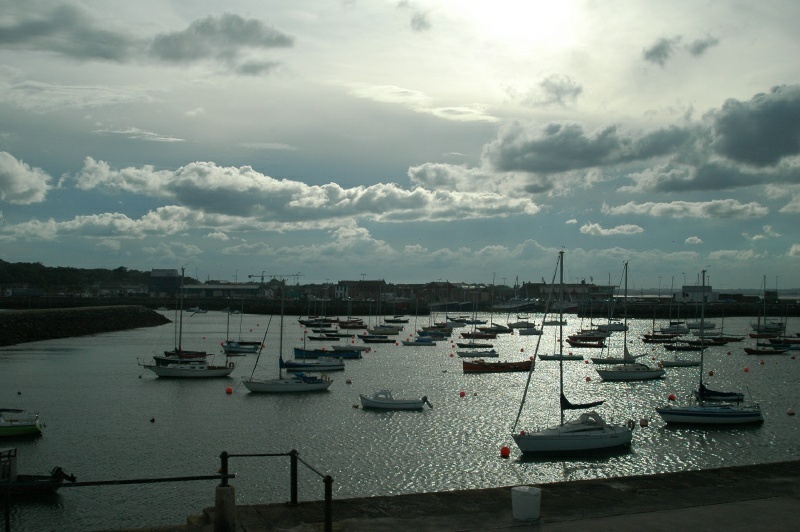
97, 404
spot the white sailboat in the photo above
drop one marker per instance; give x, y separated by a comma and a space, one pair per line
629, 369
588, 432
297, 382
180, 363
707, 411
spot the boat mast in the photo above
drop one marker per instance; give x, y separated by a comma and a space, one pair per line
180, 318
560, 334
702, 325
625, 319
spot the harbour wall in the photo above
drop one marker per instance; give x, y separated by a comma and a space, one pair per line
21, 326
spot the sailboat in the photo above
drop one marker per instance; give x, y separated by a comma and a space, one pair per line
238, 347
706, 412
589, 432
180, 363
629, 369
560, 339
297, 382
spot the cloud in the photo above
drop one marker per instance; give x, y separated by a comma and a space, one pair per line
244, 197
135, 133
42, 97
21, 184
699, 46
596, 230
762, 131
64, 29
735, 255
222, 38
660, 52
554, 90
794, 251
419, 22
664, 48
559, 147
71, 31
694, 240
793, 207
421, 103
218, 235
727, 208
768, 233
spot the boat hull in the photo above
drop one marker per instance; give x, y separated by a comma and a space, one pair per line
190, 371
580, 435
286, 385
723, 414
391, 404
630, 372
481, 366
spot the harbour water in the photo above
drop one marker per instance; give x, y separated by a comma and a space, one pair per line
107, 418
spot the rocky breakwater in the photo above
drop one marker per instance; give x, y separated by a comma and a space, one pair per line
20, 326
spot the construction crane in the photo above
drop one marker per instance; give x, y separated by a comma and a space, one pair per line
263, 274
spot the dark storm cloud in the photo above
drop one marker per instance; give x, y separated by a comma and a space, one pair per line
563, 147
217, 37
761, 131
65, 30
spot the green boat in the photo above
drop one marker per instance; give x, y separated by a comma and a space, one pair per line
15, 422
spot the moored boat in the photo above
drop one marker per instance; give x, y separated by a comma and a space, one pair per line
15, 485
18, 422
483, 366
384, 400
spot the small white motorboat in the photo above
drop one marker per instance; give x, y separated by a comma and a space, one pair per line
383, 399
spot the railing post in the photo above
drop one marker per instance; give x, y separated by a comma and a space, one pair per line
293, 476
328, 503
224, 468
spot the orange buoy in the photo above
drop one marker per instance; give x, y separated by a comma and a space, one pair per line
229, 390
762, 362
462, 394
588, 379
711, 373
451, 355
671, 397
505, 452
747, 370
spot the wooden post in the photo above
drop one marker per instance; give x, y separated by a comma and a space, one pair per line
328, 503
293, 476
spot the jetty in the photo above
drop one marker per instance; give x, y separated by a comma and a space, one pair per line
33, 325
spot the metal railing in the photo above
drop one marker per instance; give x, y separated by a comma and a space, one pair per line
295, 458
7, 487
223, 477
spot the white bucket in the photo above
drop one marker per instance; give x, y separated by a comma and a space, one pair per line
525, 502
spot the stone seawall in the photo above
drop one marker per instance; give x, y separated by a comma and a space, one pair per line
20, 326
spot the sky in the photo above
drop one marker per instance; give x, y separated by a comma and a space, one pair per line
411, 141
